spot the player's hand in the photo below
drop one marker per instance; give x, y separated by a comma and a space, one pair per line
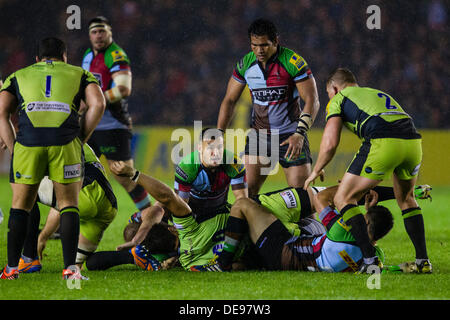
120, 168
40, 247
369, 268
295, 142
371, 199
169, 263
313, 176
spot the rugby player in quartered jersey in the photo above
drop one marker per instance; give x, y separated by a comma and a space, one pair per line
390, 145
47, 95
112, 137
278, 78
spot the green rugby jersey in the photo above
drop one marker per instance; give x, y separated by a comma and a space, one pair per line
49, 95
371, 113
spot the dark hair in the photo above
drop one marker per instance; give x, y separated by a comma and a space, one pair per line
263, 27
159, 239
51, 48
99, 19
210, 134
380, 222
341, 76
130, 231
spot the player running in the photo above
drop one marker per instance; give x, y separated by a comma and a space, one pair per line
277, 78
391, 145
112, 137
48, 95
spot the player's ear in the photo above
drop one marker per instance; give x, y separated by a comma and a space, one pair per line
335, 89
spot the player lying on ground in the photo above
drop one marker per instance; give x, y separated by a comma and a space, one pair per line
202, 179
334, 250
281, 245
153, 255
97, 206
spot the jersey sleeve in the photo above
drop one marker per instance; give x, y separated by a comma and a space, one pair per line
295, 65
328, 216
333, 108
116, 59
185, 174
235, 169
242, 66
10, 85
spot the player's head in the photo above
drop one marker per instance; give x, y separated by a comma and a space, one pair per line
211, 147
130, 231
50, 49
338, 80
100, 33
263, 37
162, 239
379, 222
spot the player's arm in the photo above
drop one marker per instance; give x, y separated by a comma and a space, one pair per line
308, 93
232, 95
330, 141
150, 216
122, 89
96, 104
157, 189
51, 225
8, 104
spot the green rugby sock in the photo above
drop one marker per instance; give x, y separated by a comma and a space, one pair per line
234, 232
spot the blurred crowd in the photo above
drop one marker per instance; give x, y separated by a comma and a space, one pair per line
183, 52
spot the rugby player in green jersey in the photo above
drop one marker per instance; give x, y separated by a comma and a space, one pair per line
278, 79
97, 209
49, 142
391, 145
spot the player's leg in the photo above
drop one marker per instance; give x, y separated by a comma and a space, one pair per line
245, 216
351, 189
29, 261
296, 170
254, 172
296, 175
67, 198
405, 177
23, 199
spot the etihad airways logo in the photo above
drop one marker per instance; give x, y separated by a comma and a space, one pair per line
269, 94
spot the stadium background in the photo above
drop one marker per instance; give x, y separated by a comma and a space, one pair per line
183, 52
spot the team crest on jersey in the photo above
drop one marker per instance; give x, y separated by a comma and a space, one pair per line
297, 61
117, 55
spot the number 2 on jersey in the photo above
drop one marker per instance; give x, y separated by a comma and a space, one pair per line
388, 101
48, 86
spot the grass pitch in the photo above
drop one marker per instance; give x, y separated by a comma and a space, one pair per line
130, 283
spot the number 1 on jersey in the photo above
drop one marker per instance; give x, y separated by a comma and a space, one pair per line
48, 86
388, 101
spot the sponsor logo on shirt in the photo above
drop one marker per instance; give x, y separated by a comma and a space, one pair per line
297, 61
181, 173
72, 171
289, 198
53, 106
270, 94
